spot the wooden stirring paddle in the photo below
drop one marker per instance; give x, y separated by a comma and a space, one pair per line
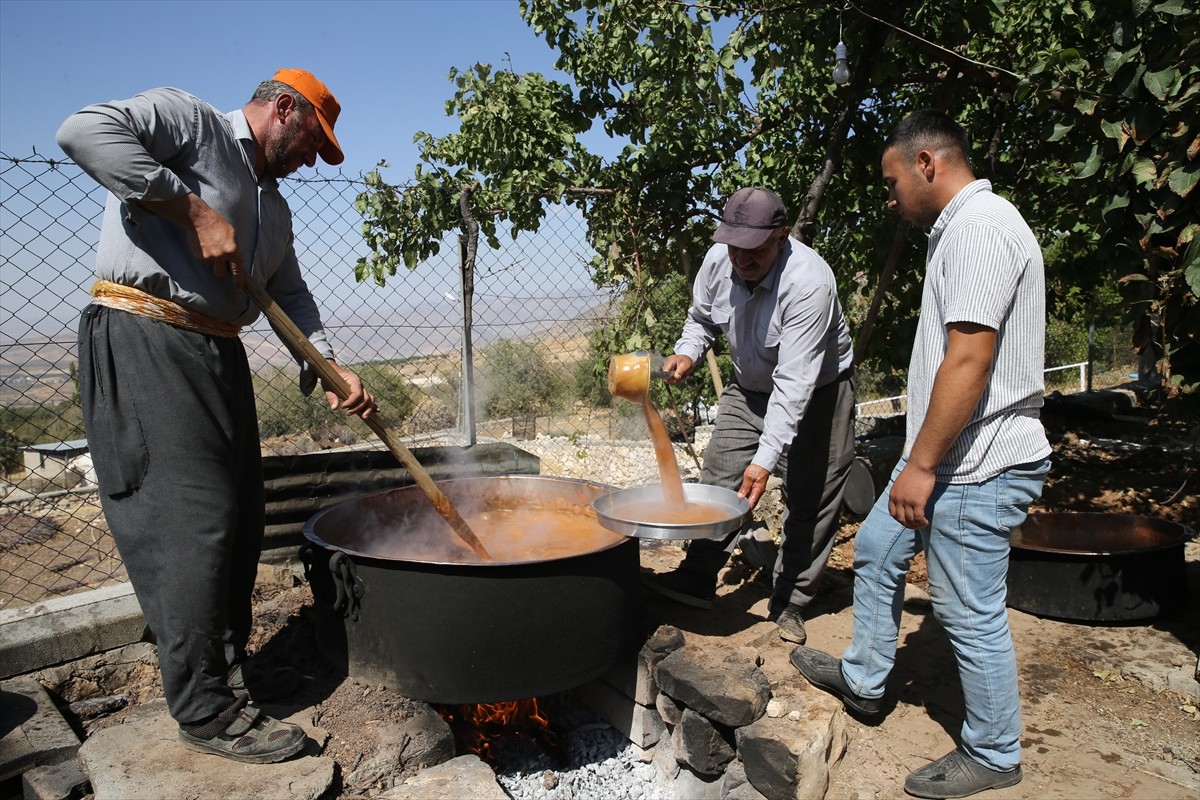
299, 342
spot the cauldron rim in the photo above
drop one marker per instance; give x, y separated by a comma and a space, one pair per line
310, 533
1176, 534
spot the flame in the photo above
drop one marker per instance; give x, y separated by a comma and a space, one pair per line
479, 728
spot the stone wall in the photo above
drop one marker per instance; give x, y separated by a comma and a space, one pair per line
715, 725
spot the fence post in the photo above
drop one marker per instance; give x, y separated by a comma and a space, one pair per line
466, 276
1091, 341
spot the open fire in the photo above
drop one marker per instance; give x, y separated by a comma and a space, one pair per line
497, 732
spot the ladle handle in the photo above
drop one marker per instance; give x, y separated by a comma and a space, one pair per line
300, 343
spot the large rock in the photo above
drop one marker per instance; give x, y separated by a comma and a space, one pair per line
640, 724
631, 676
142, 757
734, 785
32, 731
670, 711
423, 740
724, 685
701, 744
664, 641
458, 778
788, 757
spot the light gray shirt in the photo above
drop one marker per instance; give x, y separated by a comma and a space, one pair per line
161, 145
787, 337
984, 266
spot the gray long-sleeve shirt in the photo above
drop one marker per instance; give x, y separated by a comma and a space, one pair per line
163, 144
787, 337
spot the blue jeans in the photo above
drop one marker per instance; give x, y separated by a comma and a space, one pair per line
966, 548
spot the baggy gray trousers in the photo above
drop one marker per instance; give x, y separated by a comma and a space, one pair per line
815, 470
171, 424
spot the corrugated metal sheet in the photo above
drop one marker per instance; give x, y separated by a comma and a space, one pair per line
299, 486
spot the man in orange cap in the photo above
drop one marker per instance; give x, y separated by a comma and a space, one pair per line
166, 390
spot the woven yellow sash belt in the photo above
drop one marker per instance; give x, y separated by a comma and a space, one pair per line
135, 301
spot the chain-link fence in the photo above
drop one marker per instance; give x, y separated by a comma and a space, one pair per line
536, 378
533, 313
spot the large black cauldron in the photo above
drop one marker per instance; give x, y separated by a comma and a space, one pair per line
448, 628
1096, 567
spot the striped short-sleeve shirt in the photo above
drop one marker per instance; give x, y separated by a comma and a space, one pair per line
984, 266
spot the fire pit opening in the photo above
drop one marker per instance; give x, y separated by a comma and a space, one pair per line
515, 731
556, 743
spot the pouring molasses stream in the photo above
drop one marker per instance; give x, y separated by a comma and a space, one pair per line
670, 509
629, 379
299, 342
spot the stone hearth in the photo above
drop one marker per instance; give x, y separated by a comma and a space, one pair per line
723, 720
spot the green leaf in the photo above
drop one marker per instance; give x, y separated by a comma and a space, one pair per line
1088, 167
1191, 267
1116, 203
1145, 171
1176, 8
1115, 129
1159, 83
1060, 131
1115, 59
1183, 179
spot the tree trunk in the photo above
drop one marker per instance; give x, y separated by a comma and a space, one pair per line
860, 84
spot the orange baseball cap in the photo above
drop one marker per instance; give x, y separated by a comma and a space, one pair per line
323, 101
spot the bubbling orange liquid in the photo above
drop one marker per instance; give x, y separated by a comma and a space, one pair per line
537, 534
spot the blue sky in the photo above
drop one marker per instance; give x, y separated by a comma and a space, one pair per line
386, 60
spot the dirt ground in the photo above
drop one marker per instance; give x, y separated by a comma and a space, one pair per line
1099, 718
1108, 710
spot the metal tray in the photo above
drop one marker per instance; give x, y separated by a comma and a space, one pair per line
608, 509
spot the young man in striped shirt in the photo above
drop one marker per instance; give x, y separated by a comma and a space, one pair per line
976, 456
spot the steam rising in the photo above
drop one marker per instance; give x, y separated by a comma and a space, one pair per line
518, 519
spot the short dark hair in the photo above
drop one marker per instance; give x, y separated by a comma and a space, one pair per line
929, 129
270, 89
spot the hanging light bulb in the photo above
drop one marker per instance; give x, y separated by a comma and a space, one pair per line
841, 68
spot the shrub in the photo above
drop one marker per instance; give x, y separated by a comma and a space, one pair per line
515, 377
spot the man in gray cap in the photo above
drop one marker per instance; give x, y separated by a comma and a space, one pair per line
792, 391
